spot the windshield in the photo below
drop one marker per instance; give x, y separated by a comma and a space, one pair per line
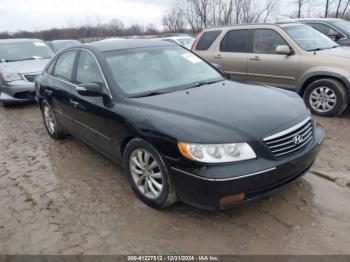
185, 41
309, 38
62, 45
11, 52
342, 25
159, 69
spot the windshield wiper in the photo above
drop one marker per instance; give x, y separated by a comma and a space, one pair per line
316, 49
203, 83
153, 93
320, 49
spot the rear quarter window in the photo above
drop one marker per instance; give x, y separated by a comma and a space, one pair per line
207, 39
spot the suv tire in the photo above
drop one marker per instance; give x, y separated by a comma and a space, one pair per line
326, 97
152, 186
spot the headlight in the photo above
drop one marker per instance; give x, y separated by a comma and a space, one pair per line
217, 153
11, 76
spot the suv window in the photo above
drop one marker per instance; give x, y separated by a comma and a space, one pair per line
64, 65
237, 41
207, 39
88, 70
266, 41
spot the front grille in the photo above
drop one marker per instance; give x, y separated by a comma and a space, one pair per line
291, 140
30, 78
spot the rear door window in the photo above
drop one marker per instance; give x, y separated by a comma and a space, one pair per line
207, 39
236, 41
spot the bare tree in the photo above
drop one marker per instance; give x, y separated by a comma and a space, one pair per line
338, 7
327, 8
250, 11
173, 19
204, 13
301, 4
345, 9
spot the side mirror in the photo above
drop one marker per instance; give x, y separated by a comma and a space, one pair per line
90, 89
283, 50
334, 36
218, 67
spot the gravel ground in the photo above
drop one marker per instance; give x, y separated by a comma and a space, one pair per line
61, 197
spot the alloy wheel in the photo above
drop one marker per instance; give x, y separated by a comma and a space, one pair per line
323, 99
49, 120
146, 173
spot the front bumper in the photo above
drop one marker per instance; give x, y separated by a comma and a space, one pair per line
204, 189
17, 93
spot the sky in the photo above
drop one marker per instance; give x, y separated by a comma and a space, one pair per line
33, 15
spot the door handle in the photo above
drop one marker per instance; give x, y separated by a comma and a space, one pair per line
218, 56
74, 103
255, 58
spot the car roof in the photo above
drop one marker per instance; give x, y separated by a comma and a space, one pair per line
115, 45
19, 40
64, 40
278, 24
309, 19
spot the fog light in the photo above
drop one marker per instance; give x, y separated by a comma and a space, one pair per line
232, 199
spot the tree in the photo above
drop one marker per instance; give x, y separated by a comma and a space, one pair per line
327, 7
301, 4
345, 9
339, 4
201, 14
173, 19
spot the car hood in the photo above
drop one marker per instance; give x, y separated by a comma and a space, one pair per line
223, 112
27, 66
343, 52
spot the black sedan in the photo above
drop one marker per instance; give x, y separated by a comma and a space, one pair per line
181, 128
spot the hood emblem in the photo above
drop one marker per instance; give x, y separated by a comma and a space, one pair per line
298, 140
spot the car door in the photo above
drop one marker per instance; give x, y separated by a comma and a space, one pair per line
233, 54
59, 87
266, 66
92, 113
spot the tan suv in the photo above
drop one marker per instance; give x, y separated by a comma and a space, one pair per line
292, 56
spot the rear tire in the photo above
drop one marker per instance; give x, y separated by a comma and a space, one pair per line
148, 175
52, 126
326, 97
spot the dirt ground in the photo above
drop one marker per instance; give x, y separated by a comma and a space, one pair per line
61, 197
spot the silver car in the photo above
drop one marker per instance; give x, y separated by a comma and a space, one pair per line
21, 60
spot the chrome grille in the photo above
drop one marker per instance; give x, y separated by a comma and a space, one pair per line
291, 140
30, 77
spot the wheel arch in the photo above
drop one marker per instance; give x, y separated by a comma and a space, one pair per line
308, 79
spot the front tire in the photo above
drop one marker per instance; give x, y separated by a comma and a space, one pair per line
326, 97
52, 126
148, 175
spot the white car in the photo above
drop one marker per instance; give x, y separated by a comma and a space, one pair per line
185, 41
